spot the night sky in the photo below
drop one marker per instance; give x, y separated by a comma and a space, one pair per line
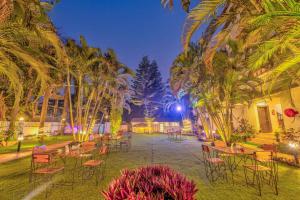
133, 28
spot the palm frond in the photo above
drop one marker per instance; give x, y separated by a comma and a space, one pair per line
198, 16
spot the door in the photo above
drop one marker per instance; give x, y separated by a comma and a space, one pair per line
264, 119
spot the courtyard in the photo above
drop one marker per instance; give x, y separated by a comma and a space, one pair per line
182, 155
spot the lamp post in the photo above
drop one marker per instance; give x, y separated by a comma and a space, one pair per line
21, 135
179, 109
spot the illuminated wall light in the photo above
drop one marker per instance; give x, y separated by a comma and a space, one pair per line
262, 104
293, 145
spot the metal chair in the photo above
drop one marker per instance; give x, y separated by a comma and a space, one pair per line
43, 165
214, 167
263, 169
125, 143
93, 167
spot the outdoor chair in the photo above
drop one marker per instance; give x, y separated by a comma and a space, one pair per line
270, 147
125, 143
222, 144
116, 143
214, 167
264, 170
96, 166
43, 165
88, 148
219, 143
105, 140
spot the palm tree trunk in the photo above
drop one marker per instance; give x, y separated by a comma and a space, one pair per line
44, 111
87, 110
65, 110
70, 103
14, 113
79, 109
34, 108
29, 95
96, 108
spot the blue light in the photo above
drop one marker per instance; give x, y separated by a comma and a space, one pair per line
179, 108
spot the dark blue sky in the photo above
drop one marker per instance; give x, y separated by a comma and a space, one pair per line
133, 28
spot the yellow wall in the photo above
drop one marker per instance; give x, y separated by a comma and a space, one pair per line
281, 99
286, 103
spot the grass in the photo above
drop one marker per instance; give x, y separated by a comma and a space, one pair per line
28, 144
182, 156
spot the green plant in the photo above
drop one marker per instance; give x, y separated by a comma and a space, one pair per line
151, 183
244, 127
278, 132
243, 132
6, 136
115, 120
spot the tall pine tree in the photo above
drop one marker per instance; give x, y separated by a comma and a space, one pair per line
148, 88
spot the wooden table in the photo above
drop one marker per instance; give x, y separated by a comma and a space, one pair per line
234, 150
234, 156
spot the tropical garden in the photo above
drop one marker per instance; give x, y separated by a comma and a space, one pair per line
247, 50
37, 64
240, 40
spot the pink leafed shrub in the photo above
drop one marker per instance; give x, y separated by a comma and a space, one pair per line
151, 183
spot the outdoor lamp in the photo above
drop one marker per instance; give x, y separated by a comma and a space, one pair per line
179, 108
293, 145
20, 136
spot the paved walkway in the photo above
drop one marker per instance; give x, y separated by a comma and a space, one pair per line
14, 156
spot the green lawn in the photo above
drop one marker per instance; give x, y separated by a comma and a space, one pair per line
28, 144
154, 149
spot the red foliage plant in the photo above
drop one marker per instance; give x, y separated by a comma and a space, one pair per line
151, 183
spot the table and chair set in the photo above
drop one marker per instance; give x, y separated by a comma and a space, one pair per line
174, 135
78, 162
259, 167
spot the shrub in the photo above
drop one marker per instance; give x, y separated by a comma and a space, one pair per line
243, 132
116, 120
151, 183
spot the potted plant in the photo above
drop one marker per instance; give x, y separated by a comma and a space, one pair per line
278, 132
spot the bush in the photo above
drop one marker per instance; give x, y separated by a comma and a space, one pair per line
115, 120
151, 183
243, 132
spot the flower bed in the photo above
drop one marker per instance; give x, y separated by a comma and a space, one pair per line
151, 183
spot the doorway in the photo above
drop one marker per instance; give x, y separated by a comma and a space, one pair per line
264, 119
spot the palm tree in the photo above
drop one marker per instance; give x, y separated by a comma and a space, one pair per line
83, 57
118, 88
29, 46
277, 43
184, 3
218, 14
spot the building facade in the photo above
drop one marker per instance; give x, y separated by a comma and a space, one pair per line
267, 114
139, 125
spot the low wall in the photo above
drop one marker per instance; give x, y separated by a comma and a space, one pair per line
32, 128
